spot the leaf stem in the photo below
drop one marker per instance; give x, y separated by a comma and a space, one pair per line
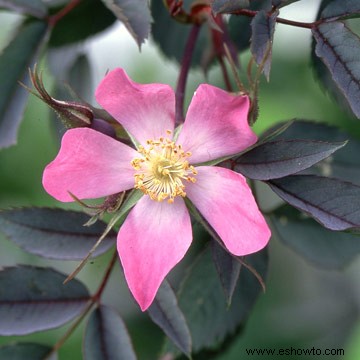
63, 12
185, 67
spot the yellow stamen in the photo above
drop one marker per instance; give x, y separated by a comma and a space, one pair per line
161, 169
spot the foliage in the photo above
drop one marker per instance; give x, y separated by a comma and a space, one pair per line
312, 167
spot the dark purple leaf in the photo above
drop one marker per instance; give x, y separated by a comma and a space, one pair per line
30, 7
322, 247
276, 159
340, 8
339, 49
323, 75
134, 14
164, 311
201, 298
228, 269
54, 233
26, 351
106, 336
311, 130
15, 60
280, 3
224, 6
240, 26
332, 202
275, 131
34, 299
344, 164
263, 27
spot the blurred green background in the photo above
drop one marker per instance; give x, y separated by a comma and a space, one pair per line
303, 306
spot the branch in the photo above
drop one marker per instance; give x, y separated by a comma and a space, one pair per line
185, 67
251, 13
63, 12
94, 299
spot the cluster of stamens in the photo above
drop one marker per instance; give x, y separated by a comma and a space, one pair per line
161, 169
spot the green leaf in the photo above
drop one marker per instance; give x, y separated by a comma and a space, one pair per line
87, 19
134, 14
224, 6
321, 247
332, 202
201, 298
30, 7
336, 9
54, 233
228, 269
263, 28
15, 59
339, 48
26, 351
276, 159
106, 336
34, 299
164, 311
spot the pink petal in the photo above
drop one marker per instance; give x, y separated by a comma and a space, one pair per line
216, 125
153, 239
226, 202
89, 165
145, 111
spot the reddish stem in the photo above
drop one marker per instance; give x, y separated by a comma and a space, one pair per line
185, 67
96, 297
63, 12
252, 13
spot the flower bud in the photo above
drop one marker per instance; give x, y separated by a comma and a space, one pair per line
71, 113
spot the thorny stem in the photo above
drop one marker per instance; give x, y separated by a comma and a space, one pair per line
63, 12
185, 67
93, 300
252, 13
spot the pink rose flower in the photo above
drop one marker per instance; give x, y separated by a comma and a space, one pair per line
166, 168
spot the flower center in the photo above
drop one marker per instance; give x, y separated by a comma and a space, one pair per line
162, 169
